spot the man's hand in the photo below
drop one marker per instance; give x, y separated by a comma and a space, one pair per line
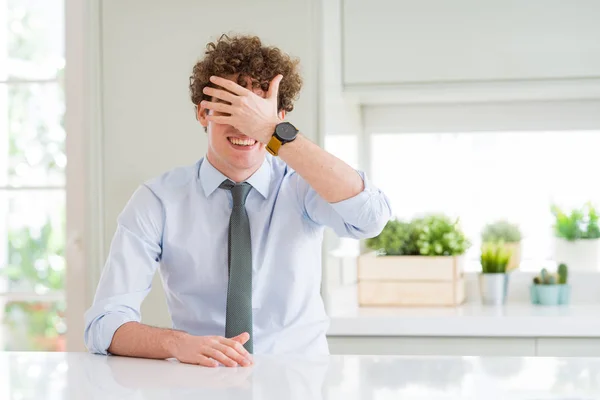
254, 116
211, 350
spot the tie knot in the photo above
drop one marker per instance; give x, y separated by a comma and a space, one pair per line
239, 191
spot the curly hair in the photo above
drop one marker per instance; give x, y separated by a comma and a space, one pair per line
246, 56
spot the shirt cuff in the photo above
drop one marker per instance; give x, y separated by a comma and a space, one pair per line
360, 207
105, 331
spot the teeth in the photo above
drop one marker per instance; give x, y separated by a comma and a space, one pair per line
242, 142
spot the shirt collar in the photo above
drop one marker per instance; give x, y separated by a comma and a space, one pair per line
211, 178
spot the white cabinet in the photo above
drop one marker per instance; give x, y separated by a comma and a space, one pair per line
465, 346
568, 347
431, 41
453, 346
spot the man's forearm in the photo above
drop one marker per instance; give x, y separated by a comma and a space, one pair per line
138, 340
330, 177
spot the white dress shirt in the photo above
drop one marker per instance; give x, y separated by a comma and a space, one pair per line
178, 223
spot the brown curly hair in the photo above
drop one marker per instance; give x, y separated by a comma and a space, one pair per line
246, 56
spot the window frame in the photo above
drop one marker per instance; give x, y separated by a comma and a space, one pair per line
543, 115
7, 296
84, 241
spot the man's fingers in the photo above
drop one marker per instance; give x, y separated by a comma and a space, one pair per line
242, 337
217, 119
229, 85
274, 87
221, 107
206, 362
219, 356
221, 94
233, 353
235, 344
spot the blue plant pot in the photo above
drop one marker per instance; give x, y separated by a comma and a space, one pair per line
565, 294
550, 295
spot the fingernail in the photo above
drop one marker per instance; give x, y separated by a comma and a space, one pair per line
245, 363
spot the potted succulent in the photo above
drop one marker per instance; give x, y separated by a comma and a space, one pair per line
414, 262
577, 238
493, 279
551, 289
503, 231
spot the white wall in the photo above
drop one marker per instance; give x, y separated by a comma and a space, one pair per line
148, 50
341, 123
340, 111
422, 41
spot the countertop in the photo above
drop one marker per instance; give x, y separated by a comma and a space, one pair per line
34, 375
470, 320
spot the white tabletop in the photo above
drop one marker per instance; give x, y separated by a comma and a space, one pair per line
83, 376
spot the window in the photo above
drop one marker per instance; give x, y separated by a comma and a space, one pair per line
344, 147
483, 176
32, 175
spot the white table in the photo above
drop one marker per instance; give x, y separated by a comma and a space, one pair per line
84, 376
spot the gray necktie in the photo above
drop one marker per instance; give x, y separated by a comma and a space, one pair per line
239, 291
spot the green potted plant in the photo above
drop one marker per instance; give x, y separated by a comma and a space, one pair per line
507, 233
551, 289
414, 262
440, 235
398, 238
493, 279
577, 237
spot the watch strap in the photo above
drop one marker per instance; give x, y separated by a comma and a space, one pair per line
274, 145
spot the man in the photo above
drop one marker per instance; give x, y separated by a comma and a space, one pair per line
237, 235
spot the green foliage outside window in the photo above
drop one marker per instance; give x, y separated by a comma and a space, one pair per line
35, 261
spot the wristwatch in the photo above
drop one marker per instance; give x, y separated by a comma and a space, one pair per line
284, 133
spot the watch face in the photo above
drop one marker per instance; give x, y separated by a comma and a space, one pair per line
286, 131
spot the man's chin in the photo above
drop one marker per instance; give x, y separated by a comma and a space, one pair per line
248, 160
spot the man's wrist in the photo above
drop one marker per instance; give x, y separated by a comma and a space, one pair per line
171, 341
293, 146
269, 131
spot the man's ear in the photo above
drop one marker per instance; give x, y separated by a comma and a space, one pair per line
281, 115
201, 116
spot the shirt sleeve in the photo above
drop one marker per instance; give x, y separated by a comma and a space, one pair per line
126, 279
359, 217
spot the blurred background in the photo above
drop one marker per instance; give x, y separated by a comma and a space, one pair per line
479, 111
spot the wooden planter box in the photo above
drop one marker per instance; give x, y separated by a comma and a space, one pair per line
410, 280
515, 259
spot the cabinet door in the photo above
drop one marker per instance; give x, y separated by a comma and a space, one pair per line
455, 346
568, 347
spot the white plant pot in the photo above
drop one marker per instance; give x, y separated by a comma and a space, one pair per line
493, 288
579, 255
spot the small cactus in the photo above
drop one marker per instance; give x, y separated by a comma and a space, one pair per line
562, 274
547, 278
544, 275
